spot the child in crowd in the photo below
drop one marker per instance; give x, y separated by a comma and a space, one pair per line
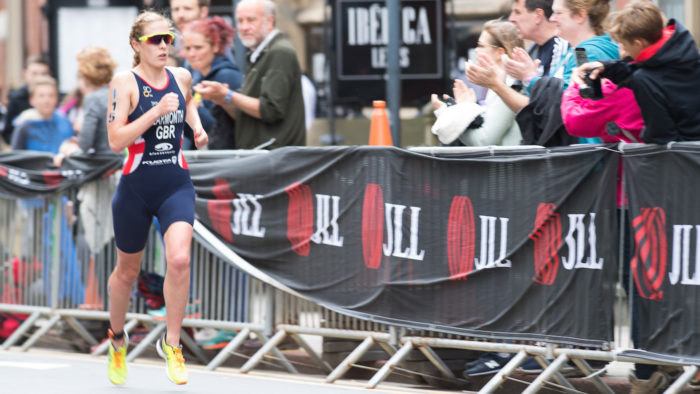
42, 128
18, 99
665, 73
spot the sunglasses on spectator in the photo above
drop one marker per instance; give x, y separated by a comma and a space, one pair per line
157, 38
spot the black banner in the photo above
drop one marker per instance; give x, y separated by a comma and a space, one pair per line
511, 246
663, 188
26, 174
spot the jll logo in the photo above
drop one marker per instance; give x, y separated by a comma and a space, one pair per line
460, 240
234, 214
300, 217
376, 216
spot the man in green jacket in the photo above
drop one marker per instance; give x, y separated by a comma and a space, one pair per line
269, 106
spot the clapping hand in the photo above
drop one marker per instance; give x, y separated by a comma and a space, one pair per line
521, 66
485, 72
463, 93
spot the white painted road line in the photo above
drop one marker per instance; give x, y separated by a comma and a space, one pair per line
31, 365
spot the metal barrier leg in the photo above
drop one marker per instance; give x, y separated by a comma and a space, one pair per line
430, 354
40, 332
23, 328
226, 351
266, 348
390, 350
385, 370
278, 354
498, 379
304, 345
538, 383
152, 336
678, 385
351, 359
77, 327
102, 348
596, 380
562, 379
187, 340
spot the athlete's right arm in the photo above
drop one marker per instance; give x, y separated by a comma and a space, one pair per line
123, 98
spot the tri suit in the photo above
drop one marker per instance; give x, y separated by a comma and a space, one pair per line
155, 180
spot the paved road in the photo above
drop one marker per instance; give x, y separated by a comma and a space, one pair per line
42, 371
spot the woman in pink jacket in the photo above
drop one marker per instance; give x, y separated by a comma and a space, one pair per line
589, 118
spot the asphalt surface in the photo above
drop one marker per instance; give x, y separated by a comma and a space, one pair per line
43, 370
46, 371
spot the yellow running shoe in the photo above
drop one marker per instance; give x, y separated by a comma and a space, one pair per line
175, 369
116, 360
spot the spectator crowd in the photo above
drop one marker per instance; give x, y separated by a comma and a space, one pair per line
273, 113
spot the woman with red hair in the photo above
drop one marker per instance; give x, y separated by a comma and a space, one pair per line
205, 43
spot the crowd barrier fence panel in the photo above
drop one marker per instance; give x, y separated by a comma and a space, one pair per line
295, 316
45, 283
55, 269
78, 292
299, 316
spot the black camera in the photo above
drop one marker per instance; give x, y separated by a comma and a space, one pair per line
591, 89
449, 100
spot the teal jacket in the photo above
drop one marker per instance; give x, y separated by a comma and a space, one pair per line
597, 48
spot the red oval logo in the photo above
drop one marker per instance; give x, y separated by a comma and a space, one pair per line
547, 240
300, 217
372, 225
220, 209
649, 262
460, 238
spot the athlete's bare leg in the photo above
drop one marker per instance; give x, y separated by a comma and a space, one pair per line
176, 290
120, 285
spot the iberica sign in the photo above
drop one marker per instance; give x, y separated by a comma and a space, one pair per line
362, 34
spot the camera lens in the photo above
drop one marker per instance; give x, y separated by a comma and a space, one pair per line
585, 91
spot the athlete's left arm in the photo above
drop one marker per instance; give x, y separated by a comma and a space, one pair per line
184, 81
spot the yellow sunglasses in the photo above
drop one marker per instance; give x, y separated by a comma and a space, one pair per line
157, 38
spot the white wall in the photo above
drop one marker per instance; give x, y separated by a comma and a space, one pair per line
82, 27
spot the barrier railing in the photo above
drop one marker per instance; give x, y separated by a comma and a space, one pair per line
53, 270
50, 272
606, 352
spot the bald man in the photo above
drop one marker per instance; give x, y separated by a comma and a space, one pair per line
269, 106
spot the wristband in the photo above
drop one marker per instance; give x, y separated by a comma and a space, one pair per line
227, 99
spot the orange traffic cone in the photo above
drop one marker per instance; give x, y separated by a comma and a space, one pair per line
379, 131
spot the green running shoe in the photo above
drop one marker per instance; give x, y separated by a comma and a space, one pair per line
175, 363
116, 360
